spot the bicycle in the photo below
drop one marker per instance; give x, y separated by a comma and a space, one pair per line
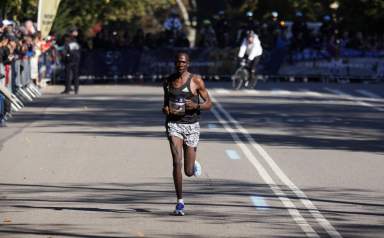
242, 77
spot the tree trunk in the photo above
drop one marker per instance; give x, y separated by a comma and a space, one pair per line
188, 23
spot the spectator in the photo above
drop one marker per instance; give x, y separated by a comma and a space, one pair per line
173, 23
182, 40
207, 35
270, 30
357, 41
172, 26
37, 50
334, 46
4, 51
327, 28
300, 29
30, 27
71, 61
249, 24
222, 30
344, 40
149, 41
138, 39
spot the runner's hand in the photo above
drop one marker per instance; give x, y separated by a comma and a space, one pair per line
166, 110
189, 105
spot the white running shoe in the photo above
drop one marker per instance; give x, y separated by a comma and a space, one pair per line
179, 210
197, 169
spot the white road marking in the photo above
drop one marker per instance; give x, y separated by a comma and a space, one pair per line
281, 175
222, 91
280, 92
259, 202
212, 126
351, 98
367, 93
337, 92
251, 91
292, 210
232, 154
311, 93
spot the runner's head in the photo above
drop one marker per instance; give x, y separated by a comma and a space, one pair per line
182, 62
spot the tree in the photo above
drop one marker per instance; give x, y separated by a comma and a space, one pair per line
360, 15
356, 15
84, 14
18, 10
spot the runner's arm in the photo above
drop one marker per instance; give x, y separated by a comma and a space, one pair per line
165, 108
203, 93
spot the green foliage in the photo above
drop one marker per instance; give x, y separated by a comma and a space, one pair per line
362, 15
18, 10
357, 15
84, 13
262, 9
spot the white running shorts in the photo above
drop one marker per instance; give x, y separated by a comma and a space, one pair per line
190, 133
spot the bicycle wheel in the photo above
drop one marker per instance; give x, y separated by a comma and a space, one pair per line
252, 82
240, 76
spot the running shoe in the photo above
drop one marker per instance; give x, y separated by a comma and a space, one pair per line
179, 210
197, 169
2, 123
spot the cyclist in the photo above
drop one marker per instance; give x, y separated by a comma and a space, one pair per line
251, 50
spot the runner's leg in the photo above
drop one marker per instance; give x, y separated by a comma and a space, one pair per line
176, 145
189, 160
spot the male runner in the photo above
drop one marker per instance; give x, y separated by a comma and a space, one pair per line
182, 93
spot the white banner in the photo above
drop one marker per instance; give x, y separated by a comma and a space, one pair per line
46, 15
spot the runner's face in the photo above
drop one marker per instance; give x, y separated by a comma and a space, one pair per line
250, 39
182, 64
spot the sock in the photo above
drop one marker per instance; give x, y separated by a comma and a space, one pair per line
180, 201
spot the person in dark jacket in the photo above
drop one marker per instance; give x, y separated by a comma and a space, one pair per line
71, 56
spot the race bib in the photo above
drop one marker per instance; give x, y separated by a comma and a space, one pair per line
177, 106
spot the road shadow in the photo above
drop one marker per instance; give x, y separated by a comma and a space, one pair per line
354, 213
314, 126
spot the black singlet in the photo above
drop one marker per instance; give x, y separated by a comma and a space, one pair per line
177, 96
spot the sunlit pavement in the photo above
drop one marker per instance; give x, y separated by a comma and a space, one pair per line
284, 160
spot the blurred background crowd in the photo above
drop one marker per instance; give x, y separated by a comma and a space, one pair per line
116, 37
221, 31
301, 28
20, 40
23, 43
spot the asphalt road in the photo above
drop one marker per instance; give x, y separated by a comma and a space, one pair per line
285, 160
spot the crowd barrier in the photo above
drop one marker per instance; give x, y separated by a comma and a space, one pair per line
205, 61
350, 64
16, 86
367, 69
122, 63
2, 100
